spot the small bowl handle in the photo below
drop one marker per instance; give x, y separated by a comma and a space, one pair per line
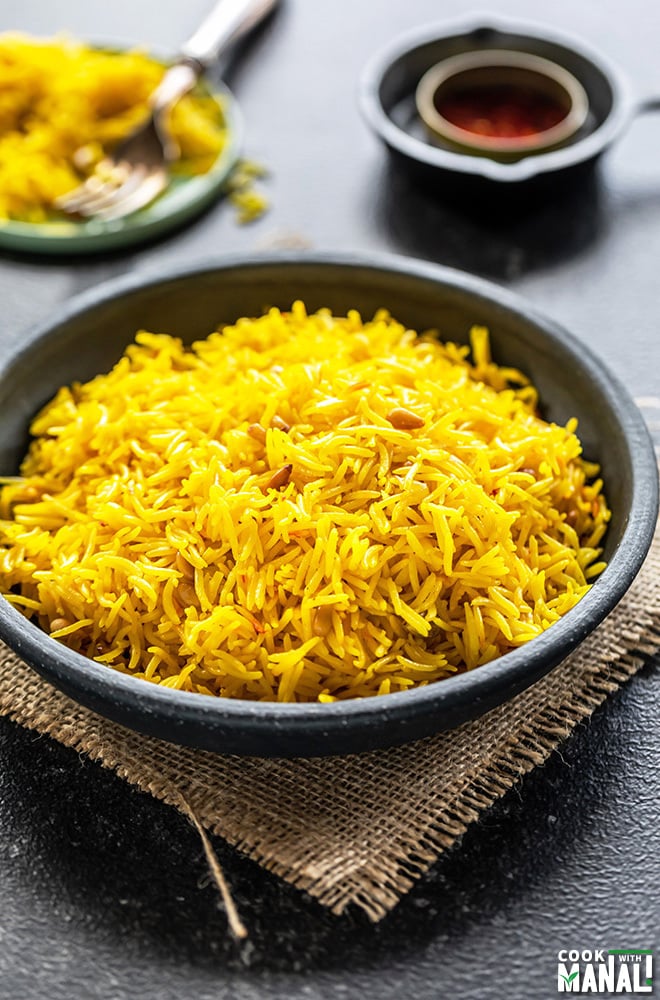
647, 105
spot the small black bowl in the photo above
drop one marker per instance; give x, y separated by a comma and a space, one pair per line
387, 99
91, 333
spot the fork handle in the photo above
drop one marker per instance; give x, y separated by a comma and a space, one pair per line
227, 22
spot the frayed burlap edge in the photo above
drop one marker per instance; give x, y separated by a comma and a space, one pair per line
359, 829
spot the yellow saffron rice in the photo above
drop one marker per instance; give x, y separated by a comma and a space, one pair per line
300, 508
63, 106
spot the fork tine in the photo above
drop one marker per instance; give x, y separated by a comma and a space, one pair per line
71, 201
150, 188
106, 177
107, 197
95, 201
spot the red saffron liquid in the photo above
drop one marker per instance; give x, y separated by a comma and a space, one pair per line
503, 112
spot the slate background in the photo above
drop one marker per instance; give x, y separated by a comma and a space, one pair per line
103, 892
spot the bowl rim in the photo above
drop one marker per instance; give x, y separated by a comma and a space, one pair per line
503, 60
584, 149
515, 670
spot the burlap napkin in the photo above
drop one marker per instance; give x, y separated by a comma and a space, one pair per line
357, 829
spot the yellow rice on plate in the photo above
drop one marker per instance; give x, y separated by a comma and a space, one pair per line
300, 508
64, 105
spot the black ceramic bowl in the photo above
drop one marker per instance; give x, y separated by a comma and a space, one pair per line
387, 99
90, 334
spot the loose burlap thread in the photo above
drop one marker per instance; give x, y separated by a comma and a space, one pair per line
358, 829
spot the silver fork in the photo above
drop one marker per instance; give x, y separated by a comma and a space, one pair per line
137, 171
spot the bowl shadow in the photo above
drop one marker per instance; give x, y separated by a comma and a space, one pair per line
502, 237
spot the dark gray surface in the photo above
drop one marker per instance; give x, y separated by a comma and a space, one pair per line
99, 885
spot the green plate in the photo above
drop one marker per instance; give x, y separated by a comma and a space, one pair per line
184, 198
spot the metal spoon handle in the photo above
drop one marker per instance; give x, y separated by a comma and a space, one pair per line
226, 23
